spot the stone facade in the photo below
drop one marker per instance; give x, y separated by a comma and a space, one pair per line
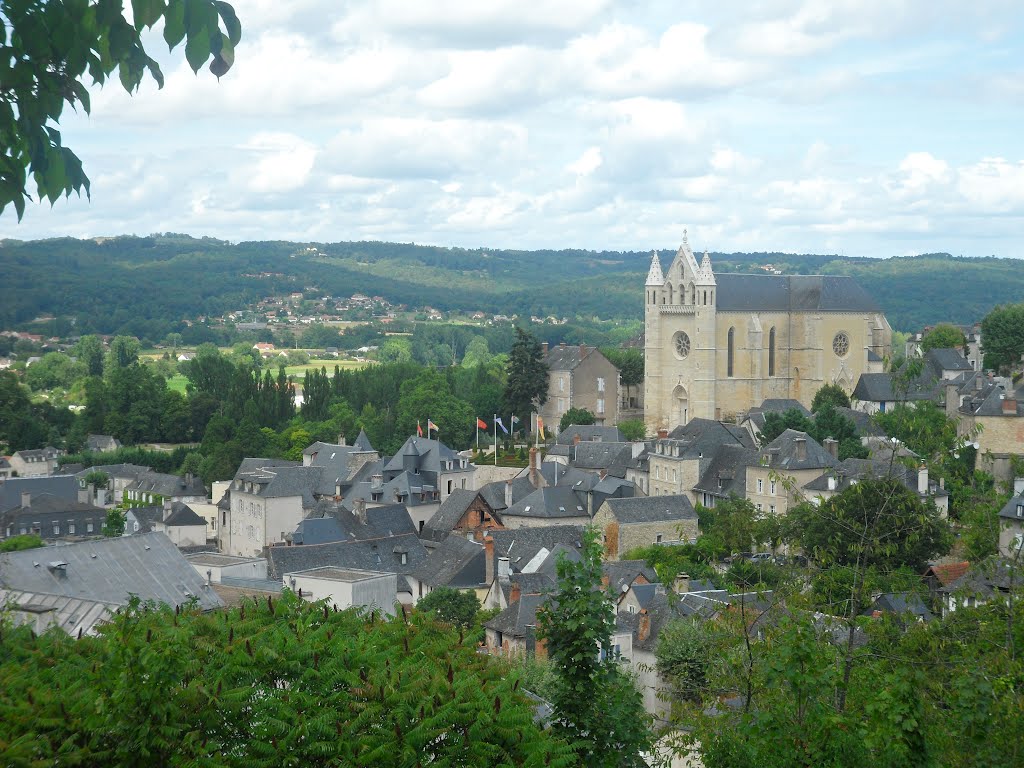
718, 345
580, 377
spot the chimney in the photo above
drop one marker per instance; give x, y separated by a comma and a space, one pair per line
831, 482
26, 499
508, 493
167, 508
188, 479
662, 433
534, 456
377, 482
952, 401
561, 344
359, 509
643, 630
489, 558
832, 446
922, 479
1009, 407
583, 351
682, 583
341, 440
659, 588
515, 593
800, 445
503, 568
576, 439
83, 495
602, 474
942, 483
544, 347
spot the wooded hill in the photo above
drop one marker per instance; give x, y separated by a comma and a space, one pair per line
140, 285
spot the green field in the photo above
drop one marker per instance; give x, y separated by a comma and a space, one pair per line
299, 371
177, 383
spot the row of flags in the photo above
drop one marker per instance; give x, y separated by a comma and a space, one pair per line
430, 426
481, 424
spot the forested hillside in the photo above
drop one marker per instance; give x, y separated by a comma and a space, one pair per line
143, 285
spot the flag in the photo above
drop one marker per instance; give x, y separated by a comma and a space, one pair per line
481, 423
419, 429
513, 421
501, 424
540, 427
431, 426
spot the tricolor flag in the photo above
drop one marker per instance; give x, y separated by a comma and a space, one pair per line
419, 429
540, 427
481, 423
431, 426
498, 421
513, 421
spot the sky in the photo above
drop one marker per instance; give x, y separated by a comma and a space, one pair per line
857, 127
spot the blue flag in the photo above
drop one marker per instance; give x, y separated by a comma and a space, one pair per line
500, 423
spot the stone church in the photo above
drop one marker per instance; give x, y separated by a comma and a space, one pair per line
717, 345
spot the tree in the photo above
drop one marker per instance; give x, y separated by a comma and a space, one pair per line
634, 430
113, 526
944, 336
21, 543
267, 683
580, 417
395, 351
527, 385
1002, 332
478, 352
830, 394
684, 654
776, 423
49, 48
454, 606
596, 706
124, 351
173, 340
89, 351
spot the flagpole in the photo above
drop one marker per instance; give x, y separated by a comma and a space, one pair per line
495, 439
477, 434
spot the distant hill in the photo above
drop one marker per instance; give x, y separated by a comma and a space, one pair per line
139, 285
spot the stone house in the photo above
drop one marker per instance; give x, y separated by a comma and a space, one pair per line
580, 377
52, 518
991, 414
793, 459
626, 524
37, 462
680, 458
1011, 526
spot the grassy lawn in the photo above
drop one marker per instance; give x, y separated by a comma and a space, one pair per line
299, 371
177, 383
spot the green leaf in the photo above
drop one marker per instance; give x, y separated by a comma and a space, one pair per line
147, 12
234, 27
197, 49
174, 23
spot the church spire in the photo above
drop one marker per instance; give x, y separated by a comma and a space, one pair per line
655, 276
706, 274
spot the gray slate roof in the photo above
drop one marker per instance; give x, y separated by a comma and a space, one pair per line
109, 570
456, 562
520, 545
330, 521
791, 293
1014, 509
863, 469
607, 456
559, 501
589, 433
182, 514
568, 357
145, 517
625, 572
11, 488
441, 523
652, 509
781, 453
168, 485
382, 554
726, 474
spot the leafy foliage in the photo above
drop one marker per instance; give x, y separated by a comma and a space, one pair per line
634, 430
454, 606
1003, 332
830, 394
579, 417
269, 683
597, 707
944, 336
527, 384
49, 48
19, 543
114, 523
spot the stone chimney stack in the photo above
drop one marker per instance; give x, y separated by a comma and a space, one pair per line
359, 509
26, 499
832, 446
662, 433
682, 583
922, 479
534, 463
1009, 407
644, 628
341, 440
503, 569
544, 347
508, 493
515, 592
489, 558
583, 351
167, 509
576, 439
800, 444
952, 401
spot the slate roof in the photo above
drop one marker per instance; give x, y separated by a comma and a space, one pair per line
589, 433
447, 516
900, 603
11, 488
163, 484
989, 401
46, 510
362, 443
145, 516
73, 615
949, 359
700, 438
661, 608
607, 456
791, 293
781, 453
47, 453
182, 514
651, 509
109, 570
382, 554
625, 572
519, 617
456, 562
520, 545
984, 579
1014, 508
329, 521
559, 501
101, 443
862, 469
48, 504
726, 474
494, 493
122, 471
276, 482
929, 384
568, 357
430, 453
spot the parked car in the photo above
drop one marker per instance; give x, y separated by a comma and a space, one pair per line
761, 557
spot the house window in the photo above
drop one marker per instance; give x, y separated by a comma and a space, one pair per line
561, 384
1020, 510
135, 526
88, 526
760, 485
600, 384
773, 487
405, 558
771, 352
56, 528
657, 538
731, 352
600, 406
631, 608
71, 528
772, 509
760, 507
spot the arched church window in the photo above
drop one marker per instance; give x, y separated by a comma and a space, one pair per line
705, 298
771, 352
730, 352
693, 294
670, 297
681, 342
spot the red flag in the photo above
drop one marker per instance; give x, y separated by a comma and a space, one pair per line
419, 429
432, 426
481, 423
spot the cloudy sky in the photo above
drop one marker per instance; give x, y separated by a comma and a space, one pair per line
860, 127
